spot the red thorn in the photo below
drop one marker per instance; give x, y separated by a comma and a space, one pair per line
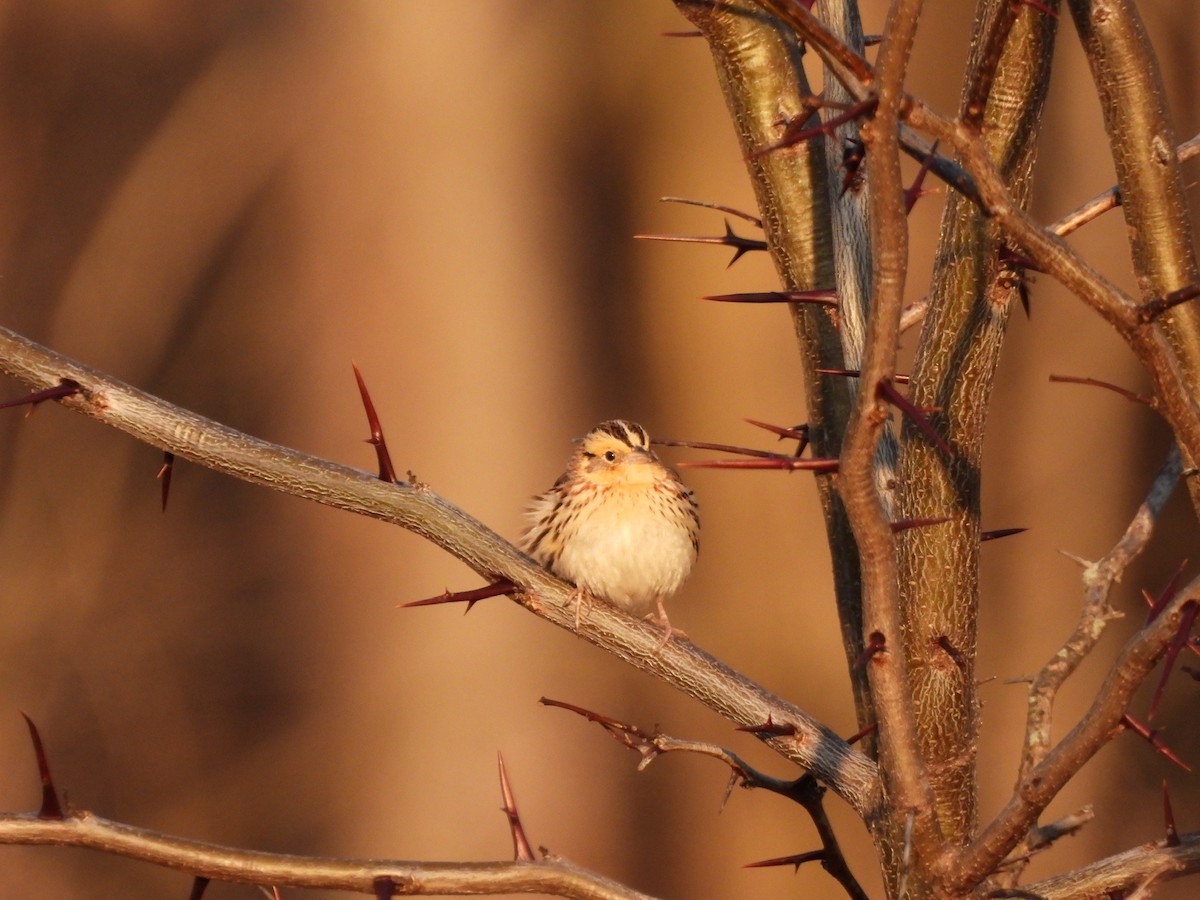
1169, 817
905, 524
796, 860
997, 533
854, 373
915, 416
51, 808
798, 432
1187, 619
741, 245
786, 462
199, 886
386, 471
876, 644
66, 388
1041, 7
862, 733
1166, 595
522, 851
495, 589
914, 193
799, 131
820, 298
1151, 737
681, 34
768, 728
164, 473
721, 448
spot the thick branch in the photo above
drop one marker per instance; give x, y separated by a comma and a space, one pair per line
420, 510
1143, 141
545, 876
902, 768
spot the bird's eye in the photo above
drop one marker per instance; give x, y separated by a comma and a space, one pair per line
610, 455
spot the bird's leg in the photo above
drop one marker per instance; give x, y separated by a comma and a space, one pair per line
583, 600
669, 631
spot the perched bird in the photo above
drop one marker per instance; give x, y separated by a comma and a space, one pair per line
618, 524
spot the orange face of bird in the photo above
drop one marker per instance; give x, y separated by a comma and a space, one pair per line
618, 453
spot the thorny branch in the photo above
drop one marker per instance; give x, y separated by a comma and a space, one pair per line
803, 790
548, 875
420, 510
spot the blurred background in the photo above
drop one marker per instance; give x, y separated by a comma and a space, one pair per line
224, 202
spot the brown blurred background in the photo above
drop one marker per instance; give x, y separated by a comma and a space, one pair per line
224, 202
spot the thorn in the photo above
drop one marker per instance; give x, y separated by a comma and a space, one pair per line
875, 645
947, 646
1144, 399
1040, 7
1151, 737
199, 886
51, 808
820, 298
1166, 595
854, 373
65, 388
386, 471
796, 432
741, 245
721, 448
164, 473
1187, 619
495, 589
862, 733
753, 220
1152, 309
1169, 817
997, 533
796, 861
800, 131
905, 524
768, 728
914, 193
788, 463
915, 416
522, 850
681, 34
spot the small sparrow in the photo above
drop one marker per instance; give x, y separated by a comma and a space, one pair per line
618, 524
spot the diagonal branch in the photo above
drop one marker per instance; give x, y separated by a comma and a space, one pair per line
418, 509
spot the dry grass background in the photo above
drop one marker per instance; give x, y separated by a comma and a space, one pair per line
224, 203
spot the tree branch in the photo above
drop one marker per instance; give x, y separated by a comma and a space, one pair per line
1098, 580
549, 875
418, 509
965, 869
1119, 874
